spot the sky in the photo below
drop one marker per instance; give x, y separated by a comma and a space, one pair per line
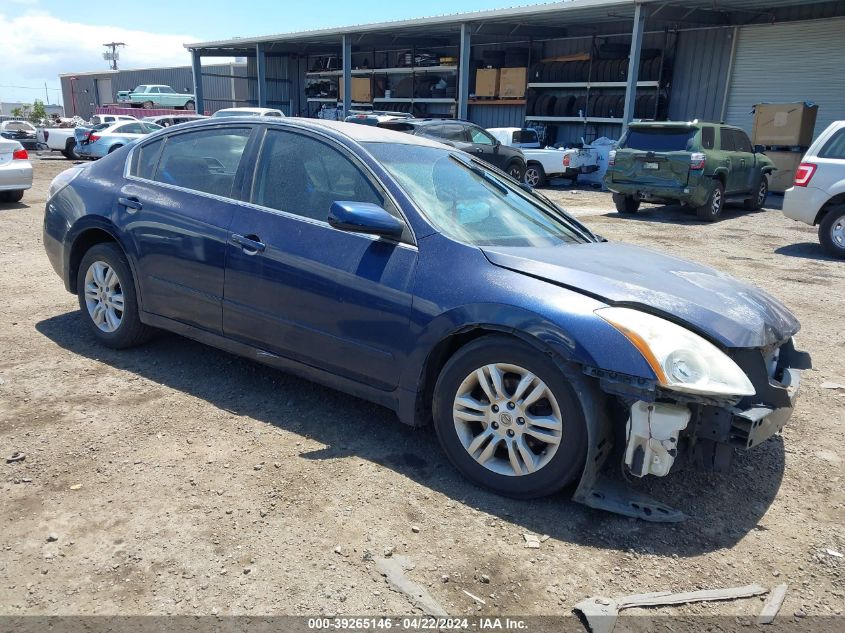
43, 38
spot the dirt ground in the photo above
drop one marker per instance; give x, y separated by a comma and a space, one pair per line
177, 479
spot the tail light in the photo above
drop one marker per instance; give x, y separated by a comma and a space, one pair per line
696, 161
611, 158
20, 154
93, 138
46, 135
804, 174
566, 160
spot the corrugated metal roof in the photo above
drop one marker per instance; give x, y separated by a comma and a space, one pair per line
571, 11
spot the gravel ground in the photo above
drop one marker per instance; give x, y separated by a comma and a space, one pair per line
177, 479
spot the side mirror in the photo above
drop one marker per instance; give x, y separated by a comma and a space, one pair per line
364, 217
759, 149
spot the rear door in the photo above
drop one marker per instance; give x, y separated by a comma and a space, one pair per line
656, 156
299, 288
177, 206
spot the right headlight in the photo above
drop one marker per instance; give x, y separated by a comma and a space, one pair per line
681, 360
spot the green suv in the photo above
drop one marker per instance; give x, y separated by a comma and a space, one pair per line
697, 164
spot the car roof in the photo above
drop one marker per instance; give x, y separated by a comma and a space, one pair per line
249, 110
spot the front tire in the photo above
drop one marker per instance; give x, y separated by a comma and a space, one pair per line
508, 419
756, 202
11, 196
107, 298
534, 175
832, 231
711, 210
516, 171
190, 106
626, 204
148, 105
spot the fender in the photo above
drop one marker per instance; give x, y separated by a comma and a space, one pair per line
720, 172
768, 169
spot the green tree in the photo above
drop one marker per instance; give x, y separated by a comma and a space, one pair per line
17, 113
39, 112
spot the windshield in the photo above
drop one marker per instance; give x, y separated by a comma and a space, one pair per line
471, 204
659, 139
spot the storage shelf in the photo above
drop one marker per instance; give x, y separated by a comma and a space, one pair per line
496, 102
321, 100
594, 84
574, 119
384, 71
412, 100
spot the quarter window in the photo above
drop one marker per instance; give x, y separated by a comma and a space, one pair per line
130, 128
147, 159
204, 161
835, 147
301, 175
708, 138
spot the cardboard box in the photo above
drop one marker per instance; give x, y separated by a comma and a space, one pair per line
512, 82
786, 163
361, 90
784, 124
487, 82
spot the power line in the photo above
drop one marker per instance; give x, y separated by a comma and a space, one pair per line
30, 88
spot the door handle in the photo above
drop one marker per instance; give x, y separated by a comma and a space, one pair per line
132, 203
742, 162
250, 244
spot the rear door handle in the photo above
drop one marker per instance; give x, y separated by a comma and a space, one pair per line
131, 203
250, 244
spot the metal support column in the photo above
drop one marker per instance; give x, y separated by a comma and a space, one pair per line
346, 78
196, 67
463, 72
633, 66
261, 71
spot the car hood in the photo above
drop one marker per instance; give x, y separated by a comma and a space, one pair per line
726, 310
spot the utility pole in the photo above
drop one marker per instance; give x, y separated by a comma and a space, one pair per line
46, 93
112, 55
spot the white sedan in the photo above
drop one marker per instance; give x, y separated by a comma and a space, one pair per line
15, 171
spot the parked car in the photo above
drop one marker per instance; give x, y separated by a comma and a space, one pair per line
702, 165
156, 95
468, 137
542, 164
374, 117
173, 119
248, 112
818, 195
62, 139
405, 272
23, 132
15, 170
100, 140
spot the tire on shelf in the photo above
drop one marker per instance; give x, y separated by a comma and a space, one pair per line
580, 106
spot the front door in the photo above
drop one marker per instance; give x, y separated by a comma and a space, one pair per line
485, 147
176, 208
299, 288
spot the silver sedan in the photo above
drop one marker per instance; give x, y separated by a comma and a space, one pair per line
15, 171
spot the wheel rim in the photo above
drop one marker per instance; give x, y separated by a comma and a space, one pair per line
716, 206
761, 194
514, 172
189, 105
148, 105
507, 419
104, 296
532, 177
837, 232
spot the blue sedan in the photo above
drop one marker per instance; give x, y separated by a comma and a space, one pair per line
408, 273
104, 139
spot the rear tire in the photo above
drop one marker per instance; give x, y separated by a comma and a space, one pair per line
11, 196
493, 446
70, 150
191, 106
148, 105
711, 210
534, 175
122, 328
626, 204
832, 231
756, 202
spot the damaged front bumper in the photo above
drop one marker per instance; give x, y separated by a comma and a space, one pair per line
661, 428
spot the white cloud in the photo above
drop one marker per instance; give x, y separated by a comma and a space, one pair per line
36, 48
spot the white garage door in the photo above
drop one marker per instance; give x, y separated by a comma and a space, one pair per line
787, 63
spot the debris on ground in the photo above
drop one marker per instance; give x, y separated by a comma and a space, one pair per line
833, 552
76, 487
474, 597
532, 541
394, 569
832, 385
600, 613
772, 605
17, 456
52, 537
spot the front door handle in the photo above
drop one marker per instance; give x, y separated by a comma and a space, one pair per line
742, 162
132, 203
250, 244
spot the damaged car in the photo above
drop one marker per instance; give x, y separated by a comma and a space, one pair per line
402, 271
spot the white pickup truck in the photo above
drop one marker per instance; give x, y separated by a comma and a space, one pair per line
61, 139
543, 164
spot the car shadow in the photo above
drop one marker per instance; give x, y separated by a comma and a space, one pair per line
13, 206
807, 250
679, 214
722, 508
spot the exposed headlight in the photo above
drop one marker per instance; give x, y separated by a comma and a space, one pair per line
63, 180
681, 360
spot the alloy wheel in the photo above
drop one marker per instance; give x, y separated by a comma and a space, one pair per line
716, 203
762, 192
532, 177
507, 419
837, 232
103, 296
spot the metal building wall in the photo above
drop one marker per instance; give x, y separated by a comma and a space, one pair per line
278, 82
700, 71
785, 63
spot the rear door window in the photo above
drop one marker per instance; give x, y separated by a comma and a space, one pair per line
708, 138
205, 161
660, 139
481, 137
146, 159
835, 147
130, 128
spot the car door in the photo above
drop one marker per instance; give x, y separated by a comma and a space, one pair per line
176, 207
744, 162
483, 145
299, 288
